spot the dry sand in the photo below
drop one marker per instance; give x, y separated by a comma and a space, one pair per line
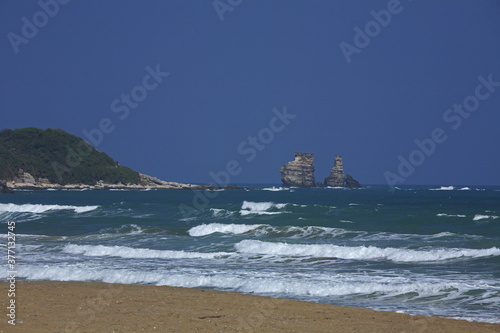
48, 306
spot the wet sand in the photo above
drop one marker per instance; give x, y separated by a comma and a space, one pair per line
50, 306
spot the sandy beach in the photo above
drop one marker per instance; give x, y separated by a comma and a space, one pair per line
48, 306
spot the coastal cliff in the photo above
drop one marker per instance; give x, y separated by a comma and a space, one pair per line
299, 172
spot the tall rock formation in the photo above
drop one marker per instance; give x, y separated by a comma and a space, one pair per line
336, 177
299, 172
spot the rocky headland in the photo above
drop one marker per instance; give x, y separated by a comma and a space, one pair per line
35, 159
300, 173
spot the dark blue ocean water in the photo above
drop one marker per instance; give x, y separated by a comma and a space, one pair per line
420, 250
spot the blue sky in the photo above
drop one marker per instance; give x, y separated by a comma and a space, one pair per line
78, 65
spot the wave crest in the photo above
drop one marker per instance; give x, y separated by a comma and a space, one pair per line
38, 208
360, 252
261, 208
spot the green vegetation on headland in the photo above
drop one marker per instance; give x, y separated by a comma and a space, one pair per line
31, 158
57, 157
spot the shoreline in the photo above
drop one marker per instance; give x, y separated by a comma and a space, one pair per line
28, 182
149, 183
54, 306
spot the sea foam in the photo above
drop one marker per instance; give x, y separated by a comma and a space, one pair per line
275, 189
479, 217
450, 215
255, 283
443, 188
360, 252
265, 229
261, 208
235, 229
38, 208
129, 252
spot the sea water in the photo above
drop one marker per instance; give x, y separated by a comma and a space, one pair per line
427, 250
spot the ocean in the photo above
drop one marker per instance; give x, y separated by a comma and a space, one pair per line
427, 250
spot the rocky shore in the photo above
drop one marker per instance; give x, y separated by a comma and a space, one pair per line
26, 181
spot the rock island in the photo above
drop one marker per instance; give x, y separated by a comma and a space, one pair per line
300, 173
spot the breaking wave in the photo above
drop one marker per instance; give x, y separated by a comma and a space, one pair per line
37, 208
129, 252
443, 188
479, 217
361, 252
261, 208
235, 229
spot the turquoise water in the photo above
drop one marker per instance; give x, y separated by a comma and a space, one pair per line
420, 250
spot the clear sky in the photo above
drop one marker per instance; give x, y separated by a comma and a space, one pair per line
177, 89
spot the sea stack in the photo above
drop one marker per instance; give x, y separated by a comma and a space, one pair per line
299, 172
336, 177
351, 182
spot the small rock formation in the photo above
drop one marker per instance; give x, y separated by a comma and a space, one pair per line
299, 172
336, 177
351, 182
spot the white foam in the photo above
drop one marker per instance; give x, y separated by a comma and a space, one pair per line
136, 230
443, 234
360, 252
464, 189
255, 283
129, 252
37, 208
443, 188
261, 208
450, 215
265, 229
274, 189
479, 217
85, 273
218, 212
235, 229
